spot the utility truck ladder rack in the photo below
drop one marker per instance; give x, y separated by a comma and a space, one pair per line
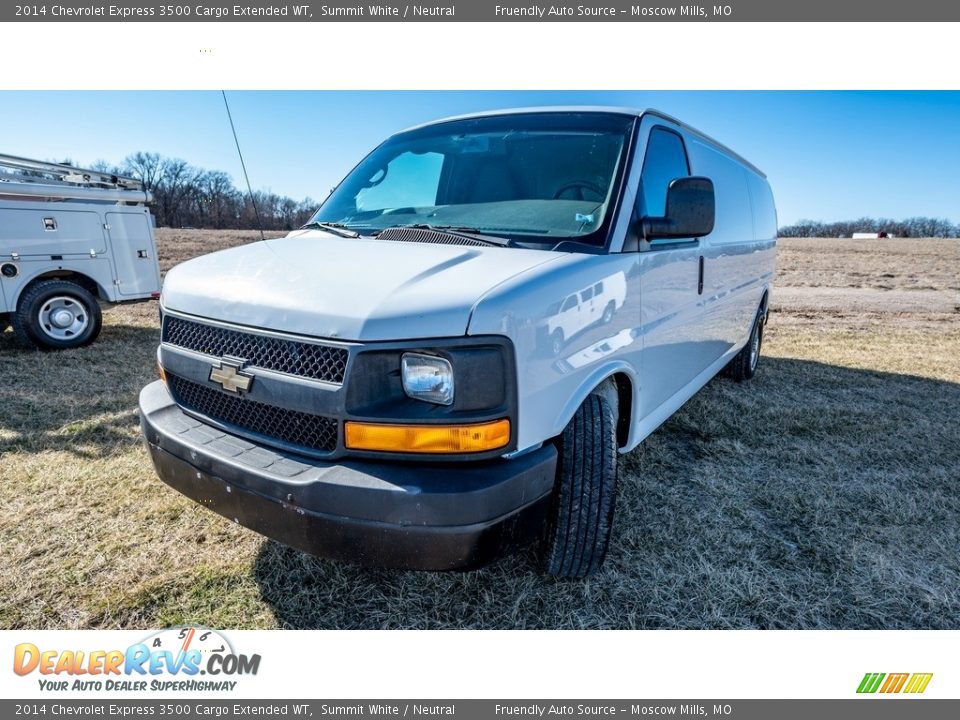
41, 180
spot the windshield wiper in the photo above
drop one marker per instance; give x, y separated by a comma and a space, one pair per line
335, 228
470, 233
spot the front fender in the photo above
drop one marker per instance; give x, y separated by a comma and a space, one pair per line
552, 382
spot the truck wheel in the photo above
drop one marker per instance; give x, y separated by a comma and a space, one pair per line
556, 341
744, 363
608, 312
56, 315
578, 526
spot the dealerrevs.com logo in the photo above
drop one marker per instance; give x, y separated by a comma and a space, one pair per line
891, 683
178, 659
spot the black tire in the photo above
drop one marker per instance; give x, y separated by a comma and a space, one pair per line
34, 326
577, 531
744, 364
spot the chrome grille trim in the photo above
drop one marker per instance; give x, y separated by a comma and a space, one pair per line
301, 358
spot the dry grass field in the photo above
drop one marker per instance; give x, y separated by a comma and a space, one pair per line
825, 494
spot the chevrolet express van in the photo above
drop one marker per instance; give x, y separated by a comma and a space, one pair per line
447, 361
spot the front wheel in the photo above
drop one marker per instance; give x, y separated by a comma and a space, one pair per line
577, 532
744, 363
57, 315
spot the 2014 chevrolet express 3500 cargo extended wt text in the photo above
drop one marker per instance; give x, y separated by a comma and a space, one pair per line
445, 362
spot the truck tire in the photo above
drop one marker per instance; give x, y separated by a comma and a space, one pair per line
556, 342
744, 363
608, 312
56, 315
577, 530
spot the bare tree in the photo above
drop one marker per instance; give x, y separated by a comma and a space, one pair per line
188, 196
145, 166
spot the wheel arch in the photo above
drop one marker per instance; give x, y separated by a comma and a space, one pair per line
626, 384
765, 303
81, 279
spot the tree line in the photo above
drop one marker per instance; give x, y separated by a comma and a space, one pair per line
188, 196
910, 227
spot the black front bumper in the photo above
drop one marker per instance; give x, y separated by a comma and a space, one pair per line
425, 516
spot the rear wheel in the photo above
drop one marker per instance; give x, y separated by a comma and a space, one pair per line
744, 363
577, 532
56, 315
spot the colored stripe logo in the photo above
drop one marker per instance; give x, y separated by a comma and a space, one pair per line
912, 683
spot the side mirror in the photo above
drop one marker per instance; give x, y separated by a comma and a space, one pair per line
691, 211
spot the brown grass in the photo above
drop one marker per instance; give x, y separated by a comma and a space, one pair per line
824, 494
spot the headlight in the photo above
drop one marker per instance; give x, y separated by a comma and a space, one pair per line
427, 377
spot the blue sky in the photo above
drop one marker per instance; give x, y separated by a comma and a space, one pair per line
829, 155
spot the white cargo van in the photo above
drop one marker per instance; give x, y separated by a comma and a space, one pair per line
446, 361
70, 237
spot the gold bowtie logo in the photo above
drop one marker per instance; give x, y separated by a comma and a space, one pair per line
231, 377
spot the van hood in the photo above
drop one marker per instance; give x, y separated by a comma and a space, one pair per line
313, 283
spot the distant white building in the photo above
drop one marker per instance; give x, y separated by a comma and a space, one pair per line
872, 236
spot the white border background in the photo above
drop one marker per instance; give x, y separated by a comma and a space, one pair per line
376, 56
570, 664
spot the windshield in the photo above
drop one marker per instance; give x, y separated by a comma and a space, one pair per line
535, 179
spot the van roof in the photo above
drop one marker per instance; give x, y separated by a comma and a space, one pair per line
629, 112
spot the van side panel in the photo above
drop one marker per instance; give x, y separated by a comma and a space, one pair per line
737, 263
764, 210
765, 226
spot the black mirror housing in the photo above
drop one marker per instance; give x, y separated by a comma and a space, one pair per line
691, 211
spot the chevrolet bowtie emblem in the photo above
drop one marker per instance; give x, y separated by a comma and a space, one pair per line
231, 377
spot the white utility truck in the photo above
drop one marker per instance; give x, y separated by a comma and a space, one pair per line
447, 360
68, 238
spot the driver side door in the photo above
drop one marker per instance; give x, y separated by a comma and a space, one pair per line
671, 308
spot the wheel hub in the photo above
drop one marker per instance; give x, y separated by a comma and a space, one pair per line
63, 317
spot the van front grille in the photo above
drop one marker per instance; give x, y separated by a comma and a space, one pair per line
294, 357
314, 432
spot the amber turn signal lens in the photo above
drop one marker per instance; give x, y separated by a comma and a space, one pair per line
442, 439
162, 373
